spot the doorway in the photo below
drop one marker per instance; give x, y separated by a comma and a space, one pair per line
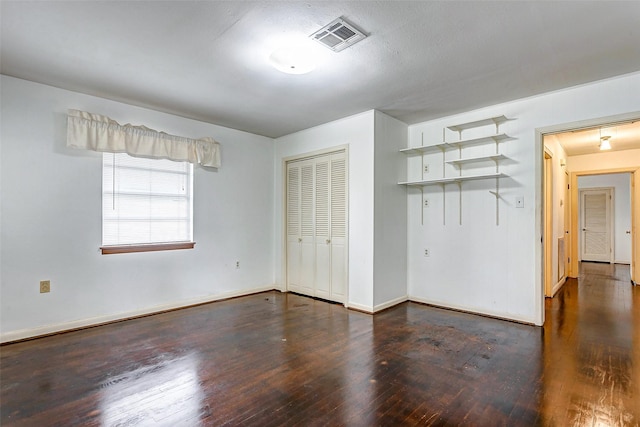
596, 225
567, 167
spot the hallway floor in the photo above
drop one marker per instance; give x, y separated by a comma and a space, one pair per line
591, 350
274, 359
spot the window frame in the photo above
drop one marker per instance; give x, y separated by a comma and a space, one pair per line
148, 246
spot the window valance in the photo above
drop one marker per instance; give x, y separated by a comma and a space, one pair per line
95, 132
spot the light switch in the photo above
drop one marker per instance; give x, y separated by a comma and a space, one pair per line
519, 201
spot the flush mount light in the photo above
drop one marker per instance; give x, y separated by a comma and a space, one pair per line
293, 60
604, 143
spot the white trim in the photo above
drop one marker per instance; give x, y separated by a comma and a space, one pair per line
475, 311
390, 303
359, 307
96, 321
557, 286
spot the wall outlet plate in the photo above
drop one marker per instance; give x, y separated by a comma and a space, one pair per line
45, 286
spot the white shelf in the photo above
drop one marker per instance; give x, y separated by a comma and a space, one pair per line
417, 151
494, 157
484, 122
483, 140
451, 180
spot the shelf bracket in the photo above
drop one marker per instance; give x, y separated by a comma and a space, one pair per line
497, 194
444, 205
459, 202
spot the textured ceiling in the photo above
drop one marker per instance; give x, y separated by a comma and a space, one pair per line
207, 60
623, 136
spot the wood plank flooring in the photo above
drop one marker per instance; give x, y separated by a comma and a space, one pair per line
275, 359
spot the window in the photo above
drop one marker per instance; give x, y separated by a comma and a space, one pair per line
147, 204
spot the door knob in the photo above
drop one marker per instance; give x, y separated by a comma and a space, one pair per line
584, 229
299, 239
628, 231
328, 241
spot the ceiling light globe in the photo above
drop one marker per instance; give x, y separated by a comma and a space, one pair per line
293, 60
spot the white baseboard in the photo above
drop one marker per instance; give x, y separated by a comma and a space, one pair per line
474, 310
359, 307
95, 321
391, 303
557, 286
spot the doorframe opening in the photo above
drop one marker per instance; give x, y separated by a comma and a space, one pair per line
610, 191
539, 203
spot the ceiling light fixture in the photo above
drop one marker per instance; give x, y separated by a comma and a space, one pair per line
293, 60
604, 143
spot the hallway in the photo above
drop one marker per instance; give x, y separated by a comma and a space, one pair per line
592, 350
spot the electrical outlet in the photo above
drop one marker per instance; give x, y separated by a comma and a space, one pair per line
45, 286
426, 203
237, 264
426, 169
426, 252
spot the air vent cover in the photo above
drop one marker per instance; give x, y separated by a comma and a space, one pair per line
338, 35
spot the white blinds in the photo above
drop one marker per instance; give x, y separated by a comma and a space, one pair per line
145, 201
99, 133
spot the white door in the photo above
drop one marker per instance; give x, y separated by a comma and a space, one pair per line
316, 226
595, 212
307, 229
323, 236
294, 238
339, 220
300, 227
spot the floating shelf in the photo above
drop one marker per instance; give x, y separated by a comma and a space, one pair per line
451, 180
494, 157
484, 122
417, 151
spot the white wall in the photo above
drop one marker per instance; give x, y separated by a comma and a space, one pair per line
621, 183
390, 212
559, 203
51, 220
478, 266
606, 160
356, 132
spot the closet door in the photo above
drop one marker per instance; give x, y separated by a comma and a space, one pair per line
338, 221
322, 235
316, 226
294, 238
307, 229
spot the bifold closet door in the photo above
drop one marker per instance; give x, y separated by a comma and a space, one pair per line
316, 226
338, 186
300, 227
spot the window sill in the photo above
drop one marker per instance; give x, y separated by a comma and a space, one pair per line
124, 249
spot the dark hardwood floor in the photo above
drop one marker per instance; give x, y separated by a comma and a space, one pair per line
276, 359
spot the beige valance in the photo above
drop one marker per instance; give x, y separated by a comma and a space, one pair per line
95, 132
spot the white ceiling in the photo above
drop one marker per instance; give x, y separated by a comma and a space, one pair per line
207, 60
623, 136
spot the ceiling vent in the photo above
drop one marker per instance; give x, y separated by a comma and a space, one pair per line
338, 35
